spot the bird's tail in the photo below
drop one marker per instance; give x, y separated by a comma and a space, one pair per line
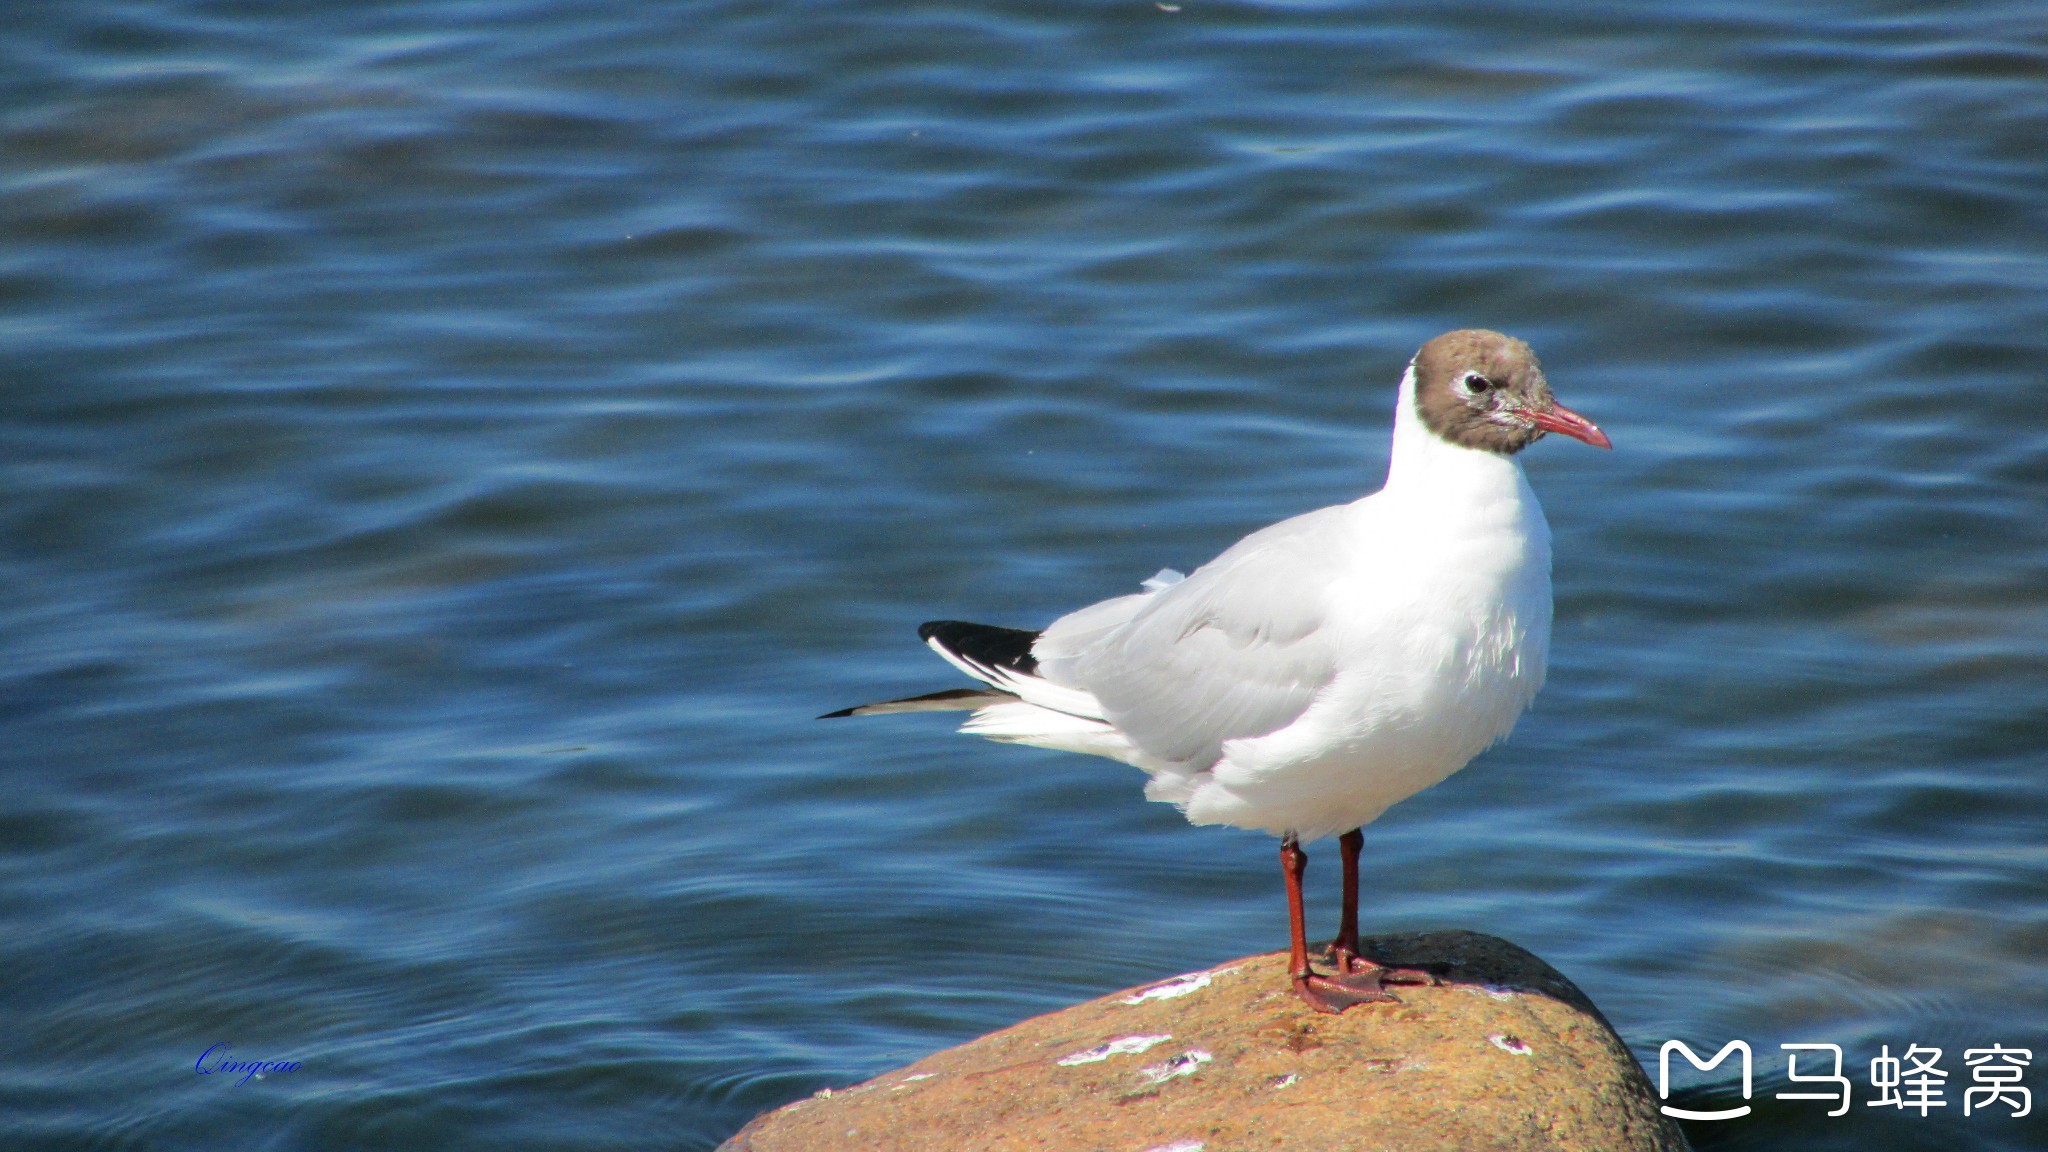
983, 651
1014, 703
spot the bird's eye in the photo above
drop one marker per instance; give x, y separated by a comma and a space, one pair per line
1478, 385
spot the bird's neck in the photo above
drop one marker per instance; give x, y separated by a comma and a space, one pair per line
1426, 469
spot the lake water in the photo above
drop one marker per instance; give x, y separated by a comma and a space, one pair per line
452, 449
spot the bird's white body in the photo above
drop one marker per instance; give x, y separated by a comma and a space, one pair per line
1320, 670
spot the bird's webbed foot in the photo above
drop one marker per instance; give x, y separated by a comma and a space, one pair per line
1333, 994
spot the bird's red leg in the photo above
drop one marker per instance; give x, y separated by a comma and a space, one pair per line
1355, 971
1344, 949
1323, 993
1294, 862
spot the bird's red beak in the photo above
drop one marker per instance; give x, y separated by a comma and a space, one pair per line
1562, 420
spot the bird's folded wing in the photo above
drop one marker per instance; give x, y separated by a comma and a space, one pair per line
1239, 648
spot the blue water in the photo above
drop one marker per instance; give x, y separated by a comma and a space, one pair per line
450, 450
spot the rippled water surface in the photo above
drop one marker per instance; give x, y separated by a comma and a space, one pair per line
450, 450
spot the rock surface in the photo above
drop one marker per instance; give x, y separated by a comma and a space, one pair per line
1506, 1054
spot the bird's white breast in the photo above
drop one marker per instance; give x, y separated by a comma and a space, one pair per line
1442, 625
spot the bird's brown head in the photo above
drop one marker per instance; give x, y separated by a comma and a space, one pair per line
1481, 389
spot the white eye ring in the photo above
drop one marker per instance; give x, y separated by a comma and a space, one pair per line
1476, 385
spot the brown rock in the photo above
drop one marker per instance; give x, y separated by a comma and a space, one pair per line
1506, 1054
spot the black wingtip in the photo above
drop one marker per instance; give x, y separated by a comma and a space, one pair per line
982, 644
985, 643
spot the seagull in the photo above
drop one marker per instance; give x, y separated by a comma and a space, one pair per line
1322, 669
